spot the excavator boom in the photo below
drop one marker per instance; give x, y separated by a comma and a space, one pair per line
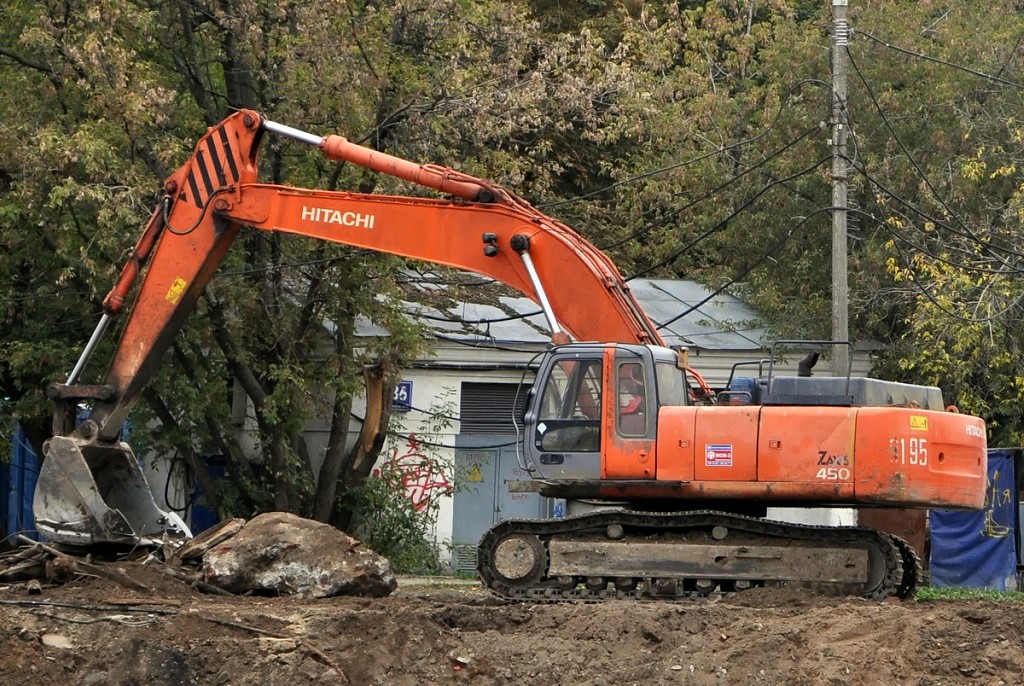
213, 196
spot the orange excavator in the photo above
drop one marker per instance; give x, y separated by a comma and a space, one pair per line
676, 480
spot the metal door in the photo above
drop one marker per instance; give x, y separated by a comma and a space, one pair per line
483, 467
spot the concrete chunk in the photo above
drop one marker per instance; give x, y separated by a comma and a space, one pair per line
282, 553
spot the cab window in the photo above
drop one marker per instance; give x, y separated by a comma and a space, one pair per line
632, 399
573, 391
671, 384
569, 419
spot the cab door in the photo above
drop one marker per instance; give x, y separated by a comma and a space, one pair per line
563, 425
630, 420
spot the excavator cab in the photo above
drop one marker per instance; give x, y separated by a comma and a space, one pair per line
563, 424
595, 413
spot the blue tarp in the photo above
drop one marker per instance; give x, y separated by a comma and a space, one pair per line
203, 517
18, 481
979, 549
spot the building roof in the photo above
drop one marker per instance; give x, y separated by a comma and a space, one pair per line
710, 322
470, 308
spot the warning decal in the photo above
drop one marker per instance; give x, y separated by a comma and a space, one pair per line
718, 455
175, 291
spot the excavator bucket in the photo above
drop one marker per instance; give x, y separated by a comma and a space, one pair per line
88, 494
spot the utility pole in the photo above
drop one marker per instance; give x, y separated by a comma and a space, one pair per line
840, 287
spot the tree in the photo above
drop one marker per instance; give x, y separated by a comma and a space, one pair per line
941, 183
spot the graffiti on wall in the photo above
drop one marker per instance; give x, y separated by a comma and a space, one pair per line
421, 475
999, 502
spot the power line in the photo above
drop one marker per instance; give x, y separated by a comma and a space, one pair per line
1014, 304
939, 223
1009, 55
920, 287
709, 194
967, 232
42, 296
433, 444
721, 224
929, 58
742, 273
917, 167
693, 160
404, 278
482, 344
290, 265
474, 322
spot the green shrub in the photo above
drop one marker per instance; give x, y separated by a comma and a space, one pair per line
391, 526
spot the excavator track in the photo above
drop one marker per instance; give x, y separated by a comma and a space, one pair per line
612, 554
912, 570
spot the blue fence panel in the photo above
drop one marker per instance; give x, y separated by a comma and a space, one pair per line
19, 484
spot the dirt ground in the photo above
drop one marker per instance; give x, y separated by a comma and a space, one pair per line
94, 631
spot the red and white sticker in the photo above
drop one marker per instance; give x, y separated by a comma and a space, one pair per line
718, 455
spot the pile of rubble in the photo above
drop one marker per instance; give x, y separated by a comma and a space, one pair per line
275, 553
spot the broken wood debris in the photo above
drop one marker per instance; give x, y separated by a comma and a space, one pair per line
38, 563
61, 568
194, 549
23, 564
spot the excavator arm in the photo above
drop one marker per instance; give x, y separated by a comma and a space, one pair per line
486, 230
482, 228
